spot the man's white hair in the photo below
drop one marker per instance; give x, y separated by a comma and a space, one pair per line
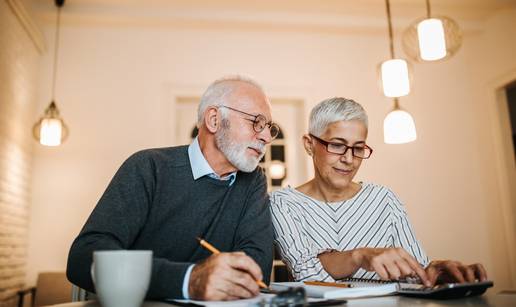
217, 93
333, 110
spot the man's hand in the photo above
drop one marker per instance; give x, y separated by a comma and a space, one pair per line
225, 276
390, 263
447, 271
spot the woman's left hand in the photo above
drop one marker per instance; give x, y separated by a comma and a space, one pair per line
448, 271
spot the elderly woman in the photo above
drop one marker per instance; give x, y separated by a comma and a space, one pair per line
332, 227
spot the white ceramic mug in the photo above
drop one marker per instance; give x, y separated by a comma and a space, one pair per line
122, 277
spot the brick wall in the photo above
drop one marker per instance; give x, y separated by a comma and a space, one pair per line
19, 58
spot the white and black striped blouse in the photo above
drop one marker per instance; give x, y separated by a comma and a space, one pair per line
305, 227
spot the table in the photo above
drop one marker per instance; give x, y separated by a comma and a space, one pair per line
502, 300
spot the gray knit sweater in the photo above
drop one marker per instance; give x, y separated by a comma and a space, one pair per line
153, 203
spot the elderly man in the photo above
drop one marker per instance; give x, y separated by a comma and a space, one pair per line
162, 199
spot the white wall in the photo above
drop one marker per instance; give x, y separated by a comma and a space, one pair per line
19, 58
117, 84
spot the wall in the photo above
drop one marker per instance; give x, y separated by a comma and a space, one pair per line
494, 69
18, 68
118, 82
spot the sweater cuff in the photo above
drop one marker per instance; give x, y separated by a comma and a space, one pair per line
167, 279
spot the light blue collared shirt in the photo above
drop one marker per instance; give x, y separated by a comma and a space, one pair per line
200, 168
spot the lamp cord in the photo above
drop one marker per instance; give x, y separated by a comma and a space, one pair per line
56, 51
396, 103
428, 12
391, 44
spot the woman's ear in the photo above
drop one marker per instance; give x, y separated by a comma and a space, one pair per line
211, 119
307, 143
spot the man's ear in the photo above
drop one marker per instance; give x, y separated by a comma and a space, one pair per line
211, 119
307, 143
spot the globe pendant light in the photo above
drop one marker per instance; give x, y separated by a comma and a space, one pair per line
432, 38
50, 129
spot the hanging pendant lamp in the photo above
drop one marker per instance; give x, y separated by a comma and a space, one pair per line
399, 126
432, 38
394, 73
50, 129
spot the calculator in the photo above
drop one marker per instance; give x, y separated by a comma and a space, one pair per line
445, 291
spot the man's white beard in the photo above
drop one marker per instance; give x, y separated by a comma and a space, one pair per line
236, 153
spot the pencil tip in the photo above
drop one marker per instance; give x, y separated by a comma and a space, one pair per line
198, 239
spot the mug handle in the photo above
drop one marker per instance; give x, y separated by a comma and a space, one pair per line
92, 271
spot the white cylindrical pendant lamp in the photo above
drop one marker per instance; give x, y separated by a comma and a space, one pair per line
395, 78
431, 39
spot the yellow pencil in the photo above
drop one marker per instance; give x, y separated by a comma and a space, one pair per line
328, 284
215, 251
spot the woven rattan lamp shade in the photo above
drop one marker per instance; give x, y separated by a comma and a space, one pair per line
452, 35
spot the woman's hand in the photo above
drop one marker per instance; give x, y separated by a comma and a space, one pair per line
447, 271
390, 263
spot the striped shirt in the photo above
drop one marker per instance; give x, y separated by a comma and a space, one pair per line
305, 227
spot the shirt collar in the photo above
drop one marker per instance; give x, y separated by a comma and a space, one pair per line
200, 166
198, 163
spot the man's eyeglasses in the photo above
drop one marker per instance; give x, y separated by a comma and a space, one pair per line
259, 122
360, 151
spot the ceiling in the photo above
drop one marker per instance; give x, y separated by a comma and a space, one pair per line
317, 13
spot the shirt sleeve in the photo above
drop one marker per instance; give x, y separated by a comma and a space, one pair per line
115, 224
297, 250
404, 235
186, 282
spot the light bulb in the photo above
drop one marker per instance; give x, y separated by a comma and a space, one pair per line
277, 170
50, 132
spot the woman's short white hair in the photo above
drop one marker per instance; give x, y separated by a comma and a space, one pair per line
217, 93
333, 110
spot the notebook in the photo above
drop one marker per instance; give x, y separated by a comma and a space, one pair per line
360, 288
367, 288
